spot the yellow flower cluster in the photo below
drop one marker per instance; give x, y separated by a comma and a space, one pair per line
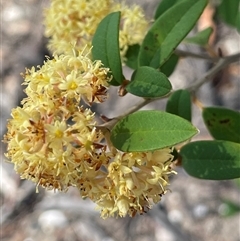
55, 143
68, 78
53, 140
50, 135
132, 183
75, 22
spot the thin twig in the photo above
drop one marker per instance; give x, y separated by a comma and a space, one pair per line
183, 53
133, 109
221, 64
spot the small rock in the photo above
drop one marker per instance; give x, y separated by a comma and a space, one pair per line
52, 219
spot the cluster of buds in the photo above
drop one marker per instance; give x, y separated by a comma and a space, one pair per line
54, 141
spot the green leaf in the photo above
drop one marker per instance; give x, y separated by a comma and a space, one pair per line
238, 22
168, 67
163, 6
200, 38
214, 160
168, 31
230, 208
229, 12
132, 56
179, 103
150, 130
222, 123
149, 83
106, 46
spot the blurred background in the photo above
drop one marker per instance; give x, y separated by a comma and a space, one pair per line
194, 210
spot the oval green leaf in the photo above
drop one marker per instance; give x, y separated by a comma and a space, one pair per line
149, 83
132, 56
150, 130
168, 31
222, 123
238, 22
200, 38
163, 6
169, 66
229, 12
106, 46
179, 103
214, 160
